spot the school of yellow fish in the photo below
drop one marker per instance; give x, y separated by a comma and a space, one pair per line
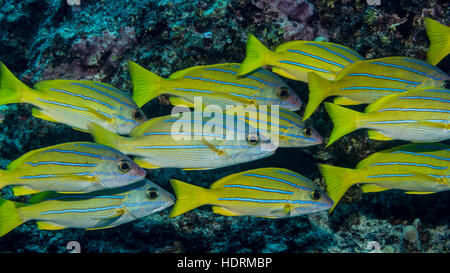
101, 184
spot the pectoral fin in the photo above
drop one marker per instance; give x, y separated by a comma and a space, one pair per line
215, 149
375, 135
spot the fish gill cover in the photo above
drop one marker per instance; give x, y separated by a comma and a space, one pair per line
92, 40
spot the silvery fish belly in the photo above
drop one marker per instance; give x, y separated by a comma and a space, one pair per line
280, 125
418, 115
74, 103
73, 167
102, 209
366, 81
216, 85
190, 140
265, 192
418, 167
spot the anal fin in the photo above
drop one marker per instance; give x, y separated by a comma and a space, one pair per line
375, 135
23, 190
38, 113
372, 188
49, 225
179, 101
145, 164
223, 211
345, 101
419, 192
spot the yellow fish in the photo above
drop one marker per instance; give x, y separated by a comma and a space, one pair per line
295, 59
366, 81
418, 168
266, 192
97, 210
74, 103
281, 125
439, 36
417, 115
73, 167
216, 84
189, 142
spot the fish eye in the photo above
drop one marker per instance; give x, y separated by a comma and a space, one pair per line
307, 132
315, 195
152, 193
283, 93
252, 139
138, 115
124, 166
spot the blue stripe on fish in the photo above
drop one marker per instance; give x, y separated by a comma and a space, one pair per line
265, 122
316, 57
257, 98
79, 210
425, 98
191, 147
433, 147
425, 64
61, 163
415, 110
277, 179
391, 121
258, 189
117, 116
420, 154
103, 93
83, 97
205, 123
193, 90
234, 73
373, 88
383, 77
409, 164
390, 175
107, 87
97, 147
183, 133
438, 90
306, 66
222, 82
79, 153
63, 104
294, 175
86, 197
269, 201
408, 69
356, 54
332, 51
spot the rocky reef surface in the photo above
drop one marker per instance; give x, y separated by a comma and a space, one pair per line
50, 39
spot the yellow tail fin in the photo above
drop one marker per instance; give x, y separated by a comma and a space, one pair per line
319, 89
338, 181
439, 36
146, 84
105, 137
12, 90
188, 197
256, 56
9, 216
3, 178
345, 121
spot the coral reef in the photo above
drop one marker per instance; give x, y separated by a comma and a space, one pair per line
94, 41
